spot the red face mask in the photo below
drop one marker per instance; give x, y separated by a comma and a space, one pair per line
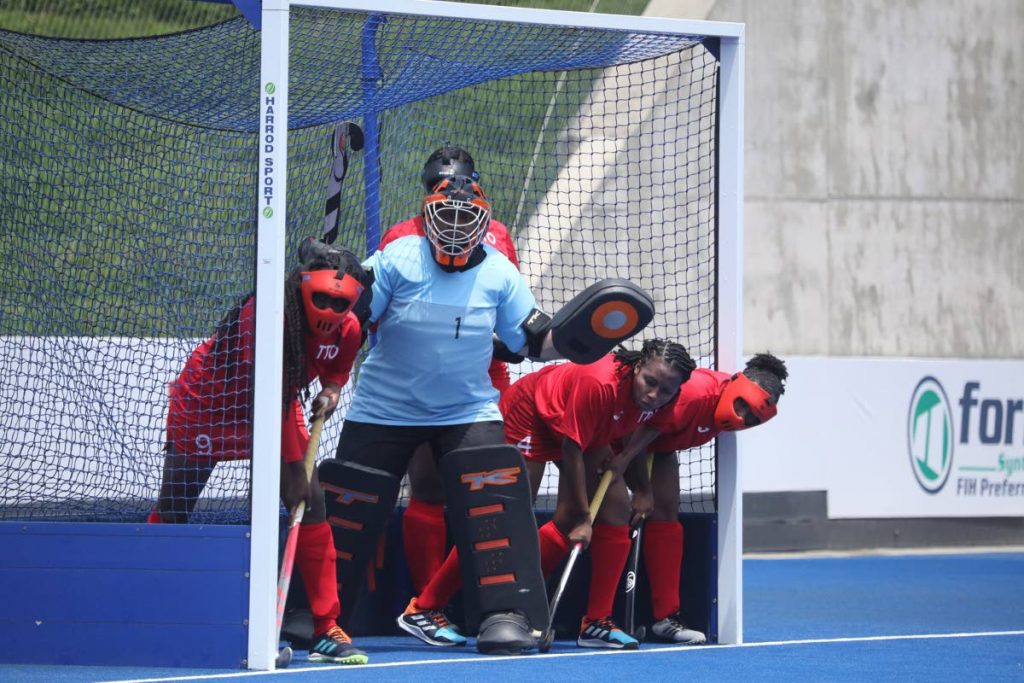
759, 403
327, 299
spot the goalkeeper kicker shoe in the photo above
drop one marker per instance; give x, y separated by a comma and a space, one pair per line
673, 630
336, 647
604, 633
430, 626
505, 634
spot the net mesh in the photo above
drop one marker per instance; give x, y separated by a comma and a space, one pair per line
129, 174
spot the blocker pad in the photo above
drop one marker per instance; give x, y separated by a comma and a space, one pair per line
597, 319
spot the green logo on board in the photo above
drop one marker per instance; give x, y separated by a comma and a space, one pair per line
930, 435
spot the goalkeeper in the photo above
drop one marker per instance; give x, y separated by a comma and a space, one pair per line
423, 524
210, 418
710, 403
438, 301
554, 415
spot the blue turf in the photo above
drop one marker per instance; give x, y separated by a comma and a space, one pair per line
785, 600
864, 596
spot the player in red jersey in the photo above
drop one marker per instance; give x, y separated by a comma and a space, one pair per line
708, 404
210, 418
555, 414
423, 525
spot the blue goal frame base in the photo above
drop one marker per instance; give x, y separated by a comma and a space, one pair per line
124, 594
105, 594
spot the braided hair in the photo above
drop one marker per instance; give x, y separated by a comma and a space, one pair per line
674, 355
296, 362
769, 373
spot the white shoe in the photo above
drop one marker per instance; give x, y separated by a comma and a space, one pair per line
672, 629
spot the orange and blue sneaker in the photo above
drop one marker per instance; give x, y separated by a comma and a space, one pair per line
429, 625
336, 647
604, 633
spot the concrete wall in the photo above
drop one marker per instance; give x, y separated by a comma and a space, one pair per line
884, 175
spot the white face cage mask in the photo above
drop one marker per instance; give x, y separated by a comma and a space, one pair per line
455, 226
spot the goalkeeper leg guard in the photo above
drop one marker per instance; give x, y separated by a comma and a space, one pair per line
358, 500
491, 518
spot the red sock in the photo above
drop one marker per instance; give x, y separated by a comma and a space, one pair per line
554, 546
315, 556
423, 534
445, 583
609, 550
663, 559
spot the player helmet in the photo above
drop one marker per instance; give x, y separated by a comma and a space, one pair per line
760, 403
447, 162
328, 295
455, 219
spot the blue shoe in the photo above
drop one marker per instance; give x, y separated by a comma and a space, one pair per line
336, 647
604, 633
430, 626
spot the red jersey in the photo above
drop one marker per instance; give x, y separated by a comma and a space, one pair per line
590, 404
692, 419
210, 413
498, 237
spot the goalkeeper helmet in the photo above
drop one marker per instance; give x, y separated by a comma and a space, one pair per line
447, 162
744, 403
328, 296
455, 219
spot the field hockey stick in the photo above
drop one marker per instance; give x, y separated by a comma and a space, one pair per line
632, 574
544, 644
284, 657
346, 136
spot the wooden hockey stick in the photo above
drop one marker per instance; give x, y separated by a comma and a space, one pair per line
284, 657
544, 644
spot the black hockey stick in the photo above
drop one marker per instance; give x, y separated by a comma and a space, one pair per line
633, 576
284, 657
544, 643
347, 135
629, 623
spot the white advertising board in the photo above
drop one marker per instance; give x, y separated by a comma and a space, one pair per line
896, 437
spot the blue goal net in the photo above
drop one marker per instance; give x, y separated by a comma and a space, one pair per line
129, 175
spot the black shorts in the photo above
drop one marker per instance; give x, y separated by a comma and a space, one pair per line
390, 447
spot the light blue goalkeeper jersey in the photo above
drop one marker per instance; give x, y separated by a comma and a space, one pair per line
434, 336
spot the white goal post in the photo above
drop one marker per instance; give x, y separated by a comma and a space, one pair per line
727, 247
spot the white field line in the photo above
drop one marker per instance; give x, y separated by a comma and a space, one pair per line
590, 653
